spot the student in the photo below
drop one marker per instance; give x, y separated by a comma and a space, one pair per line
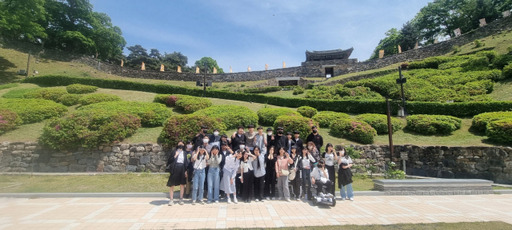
270, 176
227, 184
214, 175
270, 138
280, 139
320, 177
237, 138
330, 159
238, 183
313, 150
315, 137
259, 173
190, 168
178, 172
305, 166
261, 139
198, 139
283, 159
247, 177
295, 183
199, 159
289, 142
298, 142
224, 139
345, 175
250, 137
215, 138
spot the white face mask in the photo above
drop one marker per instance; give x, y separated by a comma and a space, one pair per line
269, 133
242, 147
189, 146
216, 133
205, 141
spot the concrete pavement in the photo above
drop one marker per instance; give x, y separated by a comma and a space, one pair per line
153, 212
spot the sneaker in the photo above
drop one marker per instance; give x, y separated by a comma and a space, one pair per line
342, 199
268, 198
193, 202
256, 200
181, 202
351, 199
208, 202
171, 202
288, 200
216, 201
201, 202
229, 201
235, 200
298, 199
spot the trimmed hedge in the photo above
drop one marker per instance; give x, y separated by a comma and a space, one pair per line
185, 127
169, 99
263, 89
192, 104
325, 118
69, 99
267, 116
500, 130
88, 129
33, 110
81, 89
358, 131
433, 124
307, 111
8, 120
231, 115
507, 71
380, 122
97, 98
462, 109
151, 114
480, 121
292, 123
52, 94
18, 93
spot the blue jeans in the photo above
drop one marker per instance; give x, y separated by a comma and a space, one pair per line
198, 184
213, 184
350, 192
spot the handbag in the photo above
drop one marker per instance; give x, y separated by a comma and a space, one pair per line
293, 173
284, 172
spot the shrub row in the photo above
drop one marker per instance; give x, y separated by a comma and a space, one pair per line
231, 115
8, 120
88, 129
348, 106
150, 114
500, 130
81, 89
294, 123
433, 124
184, 127
263, 89
325, 118
380, 122
169, 99
33, 110
307, 111
52, 94
97, 98
351, 129
480, 121
192, 104
267, 116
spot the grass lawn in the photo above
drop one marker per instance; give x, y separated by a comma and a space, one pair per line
129, 182
448, 226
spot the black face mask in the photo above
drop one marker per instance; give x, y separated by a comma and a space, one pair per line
279, 132
315, 131
205, 131
180, 146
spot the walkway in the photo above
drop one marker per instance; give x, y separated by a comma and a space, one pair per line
153, 213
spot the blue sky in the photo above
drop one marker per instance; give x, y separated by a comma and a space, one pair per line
242, 33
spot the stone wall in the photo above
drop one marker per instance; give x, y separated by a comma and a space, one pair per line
313, 68
493, 163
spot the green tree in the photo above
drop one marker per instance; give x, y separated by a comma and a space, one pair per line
22, 19
209, 63
175, 59
389, 44
138, 54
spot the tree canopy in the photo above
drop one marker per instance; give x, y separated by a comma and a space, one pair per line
210, 63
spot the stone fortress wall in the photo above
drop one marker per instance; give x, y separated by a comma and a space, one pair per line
494, 163
311, 68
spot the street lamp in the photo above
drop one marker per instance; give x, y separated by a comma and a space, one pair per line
401, 80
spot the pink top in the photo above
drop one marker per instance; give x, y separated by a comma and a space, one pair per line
282, 163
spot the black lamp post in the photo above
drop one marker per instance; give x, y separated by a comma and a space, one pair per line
402, 80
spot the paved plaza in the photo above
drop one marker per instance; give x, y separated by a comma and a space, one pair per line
153, 212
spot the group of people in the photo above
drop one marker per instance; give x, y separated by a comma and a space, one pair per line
255, 166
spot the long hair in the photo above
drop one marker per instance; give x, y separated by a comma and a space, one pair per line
259, 150
279, 151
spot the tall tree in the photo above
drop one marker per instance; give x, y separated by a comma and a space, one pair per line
22, 19
138, 54
389, 44
209, 63
175, 59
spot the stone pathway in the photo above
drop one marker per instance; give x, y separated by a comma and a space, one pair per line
153, 213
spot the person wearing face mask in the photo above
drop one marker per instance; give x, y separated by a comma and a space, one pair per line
280, 139
215, 138
345, 175
320, 177
261, 139
315, 137
237, 138
305, 166
189, 149
214, 175
198, 139
330, 159
227, 183
270, 138
178, 172
199, 159
250, 137
298, 142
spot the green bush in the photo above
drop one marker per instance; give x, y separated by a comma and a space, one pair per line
500, 130
69, 99
81, 89
169, 99
358, 131
298, 90
263, 89
294, 123
52, 94
480, 121
307, 111
18, 93
267, 116
33, 110
88, 129
429, 63
185, 127
507, 71
502, 60
97, 98
380, 122
359, 92
8, 120
325, 118
433, 124
151, 114
476, 63
231, 115
192, 104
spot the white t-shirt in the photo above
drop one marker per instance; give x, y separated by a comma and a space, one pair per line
329, 159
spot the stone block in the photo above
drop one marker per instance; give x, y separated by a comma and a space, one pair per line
116, 149
109, 168
134, 161
140, 149
77, 168
145, 159
131, 168
107, 149
126, 152
124, 147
